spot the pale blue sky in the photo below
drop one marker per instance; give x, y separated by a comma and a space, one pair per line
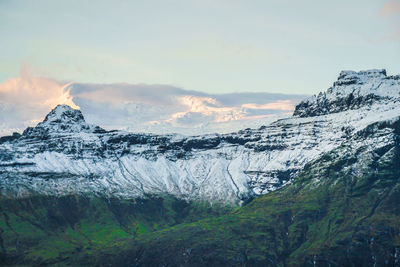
214, 46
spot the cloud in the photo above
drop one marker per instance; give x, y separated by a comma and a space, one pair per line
390, 12
390, 8
166, 109
157, 108
26, 99
284, 105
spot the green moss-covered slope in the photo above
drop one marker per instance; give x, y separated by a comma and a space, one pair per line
46, 230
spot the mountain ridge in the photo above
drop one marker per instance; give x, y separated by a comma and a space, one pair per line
352, 90
320, 190
83, 158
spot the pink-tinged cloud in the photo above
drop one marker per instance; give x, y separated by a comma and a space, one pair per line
24, 101
390, 12
206, 108
284, 105
166, 109
37, 92
390, 8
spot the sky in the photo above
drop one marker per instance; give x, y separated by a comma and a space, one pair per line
208, 65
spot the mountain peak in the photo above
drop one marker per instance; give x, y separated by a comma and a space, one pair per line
64, 114
62, 119
352, 90
348, 77
367, 73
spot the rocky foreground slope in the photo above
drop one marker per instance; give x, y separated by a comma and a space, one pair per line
64, 155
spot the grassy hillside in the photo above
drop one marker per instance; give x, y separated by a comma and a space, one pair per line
56, 230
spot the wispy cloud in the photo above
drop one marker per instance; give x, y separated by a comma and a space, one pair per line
390, 11
390, 8
158, 108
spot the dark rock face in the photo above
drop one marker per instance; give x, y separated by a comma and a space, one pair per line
323, 106
10, 138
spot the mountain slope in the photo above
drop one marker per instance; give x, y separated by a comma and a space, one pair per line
325, 184
64, 155
342, 210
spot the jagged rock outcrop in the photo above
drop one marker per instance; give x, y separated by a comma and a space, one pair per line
64, 155
352, 90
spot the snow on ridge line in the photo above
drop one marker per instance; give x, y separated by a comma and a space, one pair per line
371, 72
229, 172
352, 90
227, 168
61, 111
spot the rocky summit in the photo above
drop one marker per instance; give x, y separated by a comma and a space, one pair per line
351, 91
64, 155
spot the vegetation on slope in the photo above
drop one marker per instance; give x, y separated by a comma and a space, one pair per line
56, 230
342, 210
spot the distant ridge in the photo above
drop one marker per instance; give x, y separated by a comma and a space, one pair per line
64, 155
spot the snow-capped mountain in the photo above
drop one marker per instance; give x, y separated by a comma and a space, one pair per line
352, 90
64, 155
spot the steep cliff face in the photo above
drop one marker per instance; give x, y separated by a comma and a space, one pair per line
64, 155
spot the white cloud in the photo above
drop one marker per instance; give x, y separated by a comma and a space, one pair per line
24, 101
166, 109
